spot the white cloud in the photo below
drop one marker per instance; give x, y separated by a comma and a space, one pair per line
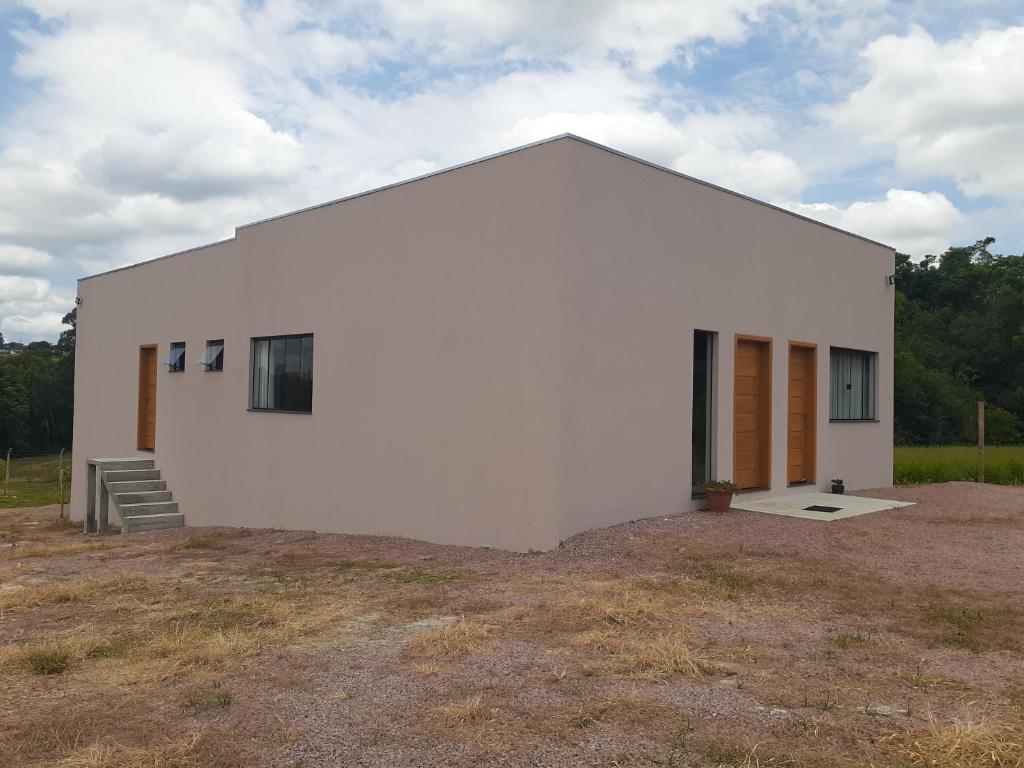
647, 33
38, 324
17, 288
30, 308
952, 109
913, 222
151, 127
19, 260
726, 148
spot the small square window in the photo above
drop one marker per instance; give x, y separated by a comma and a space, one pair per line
175, 361
213, 357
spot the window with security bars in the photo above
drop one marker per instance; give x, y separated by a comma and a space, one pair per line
853, 384
282, 374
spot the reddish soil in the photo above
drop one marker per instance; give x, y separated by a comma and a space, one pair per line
823, 643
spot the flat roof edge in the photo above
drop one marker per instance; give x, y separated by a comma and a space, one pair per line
421, 177
157, 258
494, 156
727, 191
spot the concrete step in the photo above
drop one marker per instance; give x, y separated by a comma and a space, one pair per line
137, 486
129, 463
147, 508
118, 475
141, 497
135, 524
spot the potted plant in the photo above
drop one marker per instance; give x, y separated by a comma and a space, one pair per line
719, 494
837, 485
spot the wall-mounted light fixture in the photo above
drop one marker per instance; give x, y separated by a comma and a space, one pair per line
78, 300
890, 279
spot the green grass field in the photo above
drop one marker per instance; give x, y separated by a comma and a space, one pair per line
34, 482
1004, 465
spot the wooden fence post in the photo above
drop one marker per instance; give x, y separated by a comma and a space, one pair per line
981, 441
60, 476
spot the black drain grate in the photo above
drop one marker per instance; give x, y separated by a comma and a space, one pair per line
821, 508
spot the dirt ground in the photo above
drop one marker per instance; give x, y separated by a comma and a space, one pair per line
892, 639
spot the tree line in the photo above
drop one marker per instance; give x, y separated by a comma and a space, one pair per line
37, 392
959, 338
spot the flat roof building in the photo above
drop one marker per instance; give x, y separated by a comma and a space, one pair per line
504, 353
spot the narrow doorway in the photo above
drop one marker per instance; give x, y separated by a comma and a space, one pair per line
147, 398
702, 428
752, 413
803, 412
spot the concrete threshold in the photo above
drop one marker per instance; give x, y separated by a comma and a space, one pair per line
819, 506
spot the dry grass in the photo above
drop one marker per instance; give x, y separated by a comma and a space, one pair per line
129, 639
204, 698
676, 651
469, 710
427, 670
610, 606
199, 542
36, 595
964, 744
461, 638
628, 708
172, 754
40, 548
976, 625
648, 658
49, 657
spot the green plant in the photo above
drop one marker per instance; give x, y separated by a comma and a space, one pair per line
47, 660
719, 485
205, 699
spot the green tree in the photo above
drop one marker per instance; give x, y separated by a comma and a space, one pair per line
37, 394
959, 338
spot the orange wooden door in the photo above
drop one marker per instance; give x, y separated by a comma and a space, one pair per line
147, 398
802, 414
752, 414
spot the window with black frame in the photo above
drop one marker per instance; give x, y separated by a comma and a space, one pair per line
852, 386
282, 373
213, 356
175, 360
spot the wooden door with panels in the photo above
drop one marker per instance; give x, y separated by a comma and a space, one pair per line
801, 454
147, 398
752, 412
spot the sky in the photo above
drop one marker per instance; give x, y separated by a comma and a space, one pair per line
130, 130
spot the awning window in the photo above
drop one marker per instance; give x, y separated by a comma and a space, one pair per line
175, 360
213, 357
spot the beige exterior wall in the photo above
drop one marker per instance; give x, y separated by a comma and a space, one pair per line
435, 309
650, 258
502, 351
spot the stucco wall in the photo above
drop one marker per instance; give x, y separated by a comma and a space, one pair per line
502, 352
650, 257
436, 412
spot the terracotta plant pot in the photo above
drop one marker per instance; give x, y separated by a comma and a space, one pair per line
718, 501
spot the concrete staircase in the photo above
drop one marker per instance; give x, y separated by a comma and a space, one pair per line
140, 496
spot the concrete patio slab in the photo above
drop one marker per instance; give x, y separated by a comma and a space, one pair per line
818, 506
